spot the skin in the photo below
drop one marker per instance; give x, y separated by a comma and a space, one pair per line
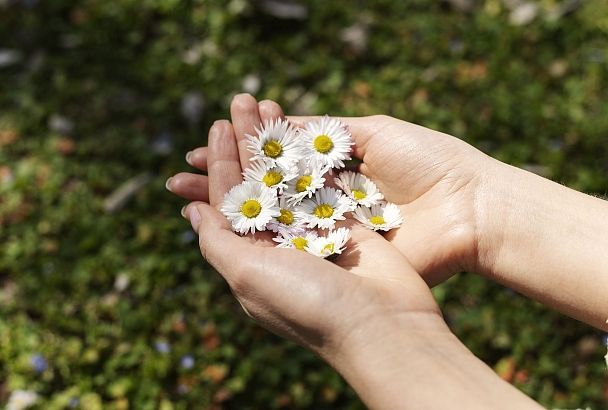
463, 210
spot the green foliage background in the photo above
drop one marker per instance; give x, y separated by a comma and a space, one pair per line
533, 95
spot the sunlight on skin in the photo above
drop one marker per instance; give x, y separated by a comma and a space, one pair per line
341, 310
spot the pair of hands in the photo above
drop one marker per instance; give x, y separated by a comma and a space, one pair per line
434, 178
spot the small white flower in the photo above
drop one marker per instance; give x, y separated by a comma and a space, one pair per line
327, 206
333, 243
289, 218
327, 142
359, 188
21, 399
250, 206
272, 176
295, 238
379, 217
309, 179
276, 144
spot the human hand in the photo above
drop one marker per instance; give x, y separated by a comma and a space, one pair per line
437, 180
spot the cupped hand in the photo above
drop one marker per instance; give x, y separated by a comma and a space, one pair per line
326, 307
438, 181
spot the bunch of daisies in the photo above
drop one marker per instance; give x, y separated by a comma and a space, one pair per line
285, 189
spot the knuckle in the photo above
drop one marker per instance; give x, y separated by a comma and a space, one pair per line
203, 248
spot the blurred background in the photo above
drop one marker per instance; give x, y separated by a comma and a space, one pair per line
104, 299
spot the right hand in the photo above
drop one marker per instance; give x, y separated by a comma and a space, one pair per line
439, 183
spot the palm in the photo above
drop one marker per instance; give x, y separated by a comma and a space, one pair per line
432, 177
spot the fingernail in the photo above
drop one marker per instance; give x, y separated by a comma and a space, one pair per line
195, 219
189, 157
167, 184
183, 211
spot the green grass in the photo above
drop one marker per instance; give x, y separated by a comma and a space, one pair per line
531, 95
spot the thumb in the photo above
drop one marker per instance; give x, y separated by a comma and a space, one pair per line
218, 244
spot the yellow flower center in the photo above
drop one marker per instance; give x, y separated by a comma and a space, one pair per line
272, 148
359, 195
286, 217
323, 211
251, 208
272, 178
323, 144
377, 220
303, 183
328, 249
299, 243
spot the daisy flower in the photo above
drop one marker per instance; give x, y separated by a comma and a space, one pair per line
276, 144
250, 206
327, 206
326, 142
295, 238
288, 219
379, 217
309, 179
333, 243
359, 188
272, 176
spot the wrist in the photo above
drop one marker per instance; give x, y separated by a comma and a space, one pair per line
413, 332
546, 241
415, 361
503, 198
376, 354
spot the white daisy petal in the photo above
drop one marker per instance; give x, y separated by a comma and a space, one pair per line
333, 243
289, 218
327, 206
271, 176
359, 188
326, 142
309, 179
250, 206
276, 144
297, 238
379, 217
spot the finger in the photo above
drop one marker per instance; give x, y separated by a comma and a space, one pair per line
198, 158
217, 242
189, 186
361, 128
270, 110
245, 117
224, 168
185, 211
